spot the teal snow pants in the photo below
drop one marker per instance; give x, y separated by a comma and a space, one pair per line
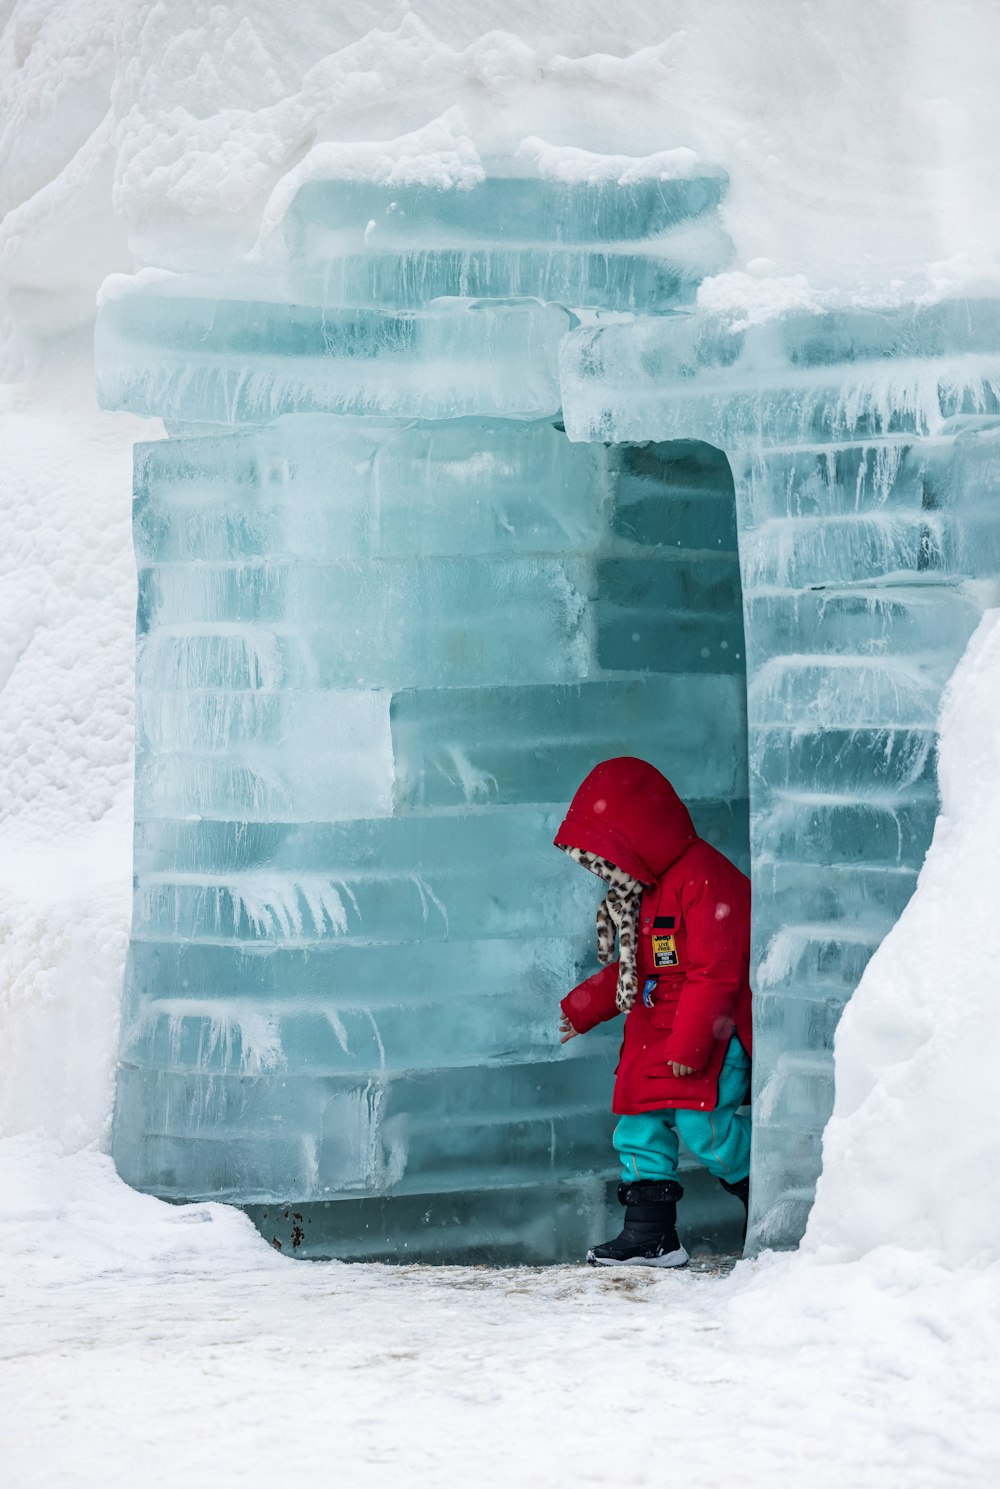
720, 1139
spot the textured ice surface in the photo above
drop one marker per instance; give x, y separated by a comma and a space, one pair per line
436, 533
311, 987
498, 210
375, 656
850, 378
864, 453
205, 354
644, 247
402, 491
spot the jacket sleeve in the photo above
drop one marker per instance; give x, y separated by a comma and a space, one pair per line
718, 956
593, 1002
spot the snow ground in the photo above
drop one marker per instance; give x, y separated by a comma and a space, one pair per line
159, 1345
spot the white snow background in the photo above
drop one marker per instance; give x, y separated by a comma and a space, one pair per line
149, 1344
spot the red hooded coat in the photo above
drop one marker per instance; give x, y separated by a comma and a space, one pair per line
693, 952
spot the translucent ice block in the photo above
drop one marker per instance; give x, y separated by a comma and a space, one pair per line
853, 761
352, 973
405, 877
380, 880
224, 754
848, 691
498, 209
823, 827
321, 489
369, 625
639, 247
622, 280
915, 620
799, 380
225, 360
344, 1135
457, 747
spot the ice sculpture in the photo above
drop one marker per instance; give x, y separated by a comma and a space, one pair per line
447, 514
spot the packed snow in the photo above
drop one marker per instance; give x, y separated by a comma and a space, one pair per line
858, 139
67, 619
910, 1154
171, 1344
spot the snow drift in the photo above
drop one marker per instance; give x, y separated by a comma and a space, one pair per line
909, 1155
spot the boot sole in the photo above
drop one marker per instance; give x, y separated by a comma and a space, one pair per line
677, 1258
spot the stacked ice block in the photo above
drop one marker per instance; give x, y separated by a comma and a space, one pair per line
448, 515
644, 247
389, 616
867, 466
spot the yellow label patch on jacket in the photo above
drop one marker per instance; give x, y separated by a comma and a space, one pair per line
665, 951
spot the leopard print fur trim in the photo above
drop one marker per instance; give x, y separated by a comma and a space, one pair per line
618, 911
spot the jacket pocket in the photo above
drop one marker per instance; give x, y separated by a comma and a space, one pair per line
665, 1001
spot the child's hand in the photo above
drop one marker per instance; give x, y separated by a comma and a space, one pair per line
566, 1030
680, 1069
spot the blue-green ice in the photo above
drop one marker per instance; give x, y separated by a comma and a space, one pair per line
463, 494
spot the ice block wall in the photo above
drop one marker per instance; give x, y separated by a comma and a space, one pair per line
389, 616
462, 495
867, 466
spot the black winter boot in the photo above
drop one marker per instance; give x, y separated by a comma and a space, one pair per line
741, 1189
649, 1235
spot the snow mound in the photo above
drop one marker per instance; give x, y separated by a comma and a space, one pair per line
910, 1153
67, 636
857, 139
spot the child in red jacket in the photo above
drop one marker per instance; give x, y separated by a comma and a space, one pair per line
682, 915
